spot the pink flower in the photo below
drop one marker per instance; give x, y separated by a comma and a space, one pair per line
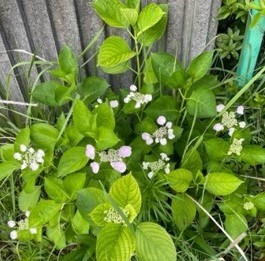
119, 166
90, 151
161, 120
240, 110
95, 167
125, 151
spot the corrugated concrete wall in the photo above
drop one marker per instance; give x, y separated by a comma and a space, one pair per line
44, 26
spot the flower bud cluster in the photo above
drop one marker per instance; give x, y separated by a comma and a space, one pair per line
112, 216
114, 157
235, 147
161, 134
155, 166
29, 157
139, 98
23, 224
229, 120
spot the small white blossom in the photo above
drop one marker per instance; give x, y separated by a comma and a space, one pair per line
11, 223
235, 147
133, 88
218, 127
33, 231
99, 100
34, 166
231, 132
114, 104
240, 110
27, 213
150, 174
248, 206
242, 124
161, 120
220, 107
23, 148
17, 156
13, 235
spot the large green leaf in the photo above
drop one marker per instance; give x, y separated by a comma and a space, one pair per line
23, 137
179, 179
57, 235
126, 191
183, 210
79, 224
149, 16
43, 212
105, 116
92, 87
114, 51
235, 224
27, 200
164, 105
222, 184
200, 65
7, 168
72, 160
82, 117
202, 103
115, 242
110, 12
152, 34
130, 15
44, 135
106, 138
216, 149
259, 201
253, 154
67, 61
73, 183
192, 161
153, 243
7, 152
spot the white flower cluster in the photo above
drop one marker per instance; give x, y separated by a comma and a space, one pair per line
155, 166
112, 216
229, 120
114, 157
23, 224
161, 134
235, 147
113, 103
139, 98
29, 157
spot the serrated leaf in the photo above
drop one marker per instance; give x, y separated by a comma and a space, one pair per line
120, 68
126, 191
253, 154
79, 224
109, 11
43, 212
115, 242
179, 179
216, 149
153, 243
202, 103
130, 15
149, 16
57, 235
221, 184
183, 210
72, 160
114, 51
200, 65
98, 214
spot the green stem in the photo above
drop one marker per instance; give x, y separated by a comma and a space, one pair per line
13, 197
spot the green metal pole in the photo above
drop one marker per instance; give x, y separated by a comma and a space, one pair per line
250, 49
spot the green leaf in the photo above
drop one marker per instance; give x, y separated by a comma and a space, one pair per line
57, 235
67, 61
7, 152
79, 224
82, 117
92, 87
130, 15
133, 4
120, 68
153, 243
216, 149
73, 183
221, 184
105, 117
192, 161
179, 179
72, 160
110, 12
115, 242
7, 168
183, 210
165, 65
106, 138
114, 51
27, 200
54, 188
200, 65
235, 224
126, 191
43, 135
253, 155
98, 214
152, 34
149, 16
259, 201
164, 105
202, 103
88, 199
43, 212
23, 137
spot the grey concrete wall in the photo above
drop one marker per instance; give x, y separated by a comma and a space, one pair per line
44, 26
